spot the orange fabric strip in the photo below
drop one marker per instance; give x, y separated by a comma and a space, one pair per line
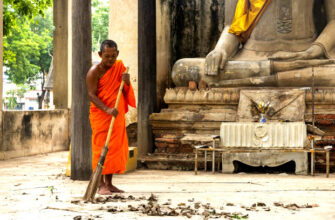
247, 15
108, 87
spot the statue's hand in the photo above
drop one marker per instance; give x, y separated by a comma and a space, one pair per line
315, 51
215, 61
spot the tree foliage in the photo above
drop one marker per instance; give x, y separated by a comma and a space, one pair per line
13, 95
14, 10
100, 14
27, 49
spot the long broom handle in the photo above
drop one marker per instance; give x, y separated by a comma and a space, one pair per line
116, 105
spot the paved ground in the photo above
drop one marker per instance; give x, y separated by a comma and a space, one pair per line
36, 188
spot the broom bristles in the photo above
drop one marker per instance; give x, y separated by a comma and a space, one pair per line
93, 184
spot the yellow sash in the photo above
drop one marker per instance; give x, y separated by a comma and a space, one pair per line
247, 14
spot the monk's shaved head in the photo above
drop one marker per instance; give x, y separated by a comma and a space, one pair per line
108, 43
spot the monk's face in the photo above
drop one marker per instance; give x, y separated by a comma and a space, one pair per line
108, 56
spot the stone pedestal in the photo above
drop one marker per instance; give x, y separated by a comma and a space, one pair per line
270, 158
193, 115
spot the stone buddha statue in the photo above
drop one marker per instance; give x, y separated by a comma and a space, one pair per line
282, 48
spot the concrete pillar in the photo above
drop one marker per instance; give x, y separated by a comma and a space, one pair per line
81, 62
69, 62
146, 73
163, 42
123, 30
60, 54
1, 53
1, 65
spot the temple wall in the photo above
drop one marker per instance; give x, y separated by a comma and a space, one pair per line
34, 132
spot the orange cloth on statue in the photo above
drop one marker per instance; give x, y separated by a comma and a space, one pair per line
247, 15
107, 90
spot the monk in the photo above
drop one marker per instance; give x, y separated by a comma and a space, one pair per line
103, 81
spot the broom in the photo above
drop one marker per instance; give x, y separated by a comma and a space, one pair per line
96, 176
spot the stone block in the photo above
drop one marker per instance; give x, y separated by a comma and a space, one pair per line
160, 150
173, 145
161, 144
324, 116
172, 150
271, 159
185, 148
167, 140
324, 122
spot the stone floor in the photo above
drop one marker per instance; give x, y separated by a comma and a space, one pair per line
36, 188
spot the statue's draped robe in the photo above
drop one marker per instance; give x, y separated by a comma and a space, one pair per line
247, 14
107, 90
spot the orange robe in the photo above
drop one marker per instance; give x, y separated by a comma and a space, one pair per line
107, 90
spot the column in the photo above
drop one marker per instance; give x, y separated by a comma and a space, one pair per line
60, 54
146, 73
81, 62
1, 53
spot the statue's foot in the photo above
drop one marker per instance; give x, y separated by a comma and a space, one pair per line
104, 190
202, 85
192, 85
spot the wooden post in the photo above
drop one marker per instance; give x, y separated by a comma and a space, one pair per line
196, 162
327, 163
146, 73
1, 54
60, 54
1, 66
81, 151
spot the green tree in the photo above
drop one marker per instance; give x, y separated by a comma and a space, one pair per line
100, 13
27, 50
12, 95
10, 100
13, 10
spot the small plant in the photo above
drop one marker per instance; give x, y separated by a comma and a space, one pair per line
51, 188
236, 216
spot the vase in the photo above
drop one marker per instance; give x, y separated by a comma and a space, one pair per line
262, 119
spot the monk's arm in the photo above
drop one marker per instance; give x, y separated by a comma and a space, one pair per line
126, 79
92, 84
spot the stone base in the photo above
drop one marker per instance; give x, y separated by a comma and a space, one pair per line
270, 159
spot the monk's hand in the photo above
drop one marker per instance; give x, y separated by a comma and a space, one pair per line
126, 78
112, 111
215, 61
314, 52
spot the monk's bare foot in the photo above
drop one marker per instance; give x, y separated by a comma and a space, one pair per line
115, 189
104, 190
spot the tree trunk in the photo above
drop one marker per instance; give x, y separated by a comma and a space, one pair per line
81, 63
146, 72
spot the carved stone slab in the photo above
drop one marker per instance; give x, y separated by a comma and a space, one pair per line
286, 104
